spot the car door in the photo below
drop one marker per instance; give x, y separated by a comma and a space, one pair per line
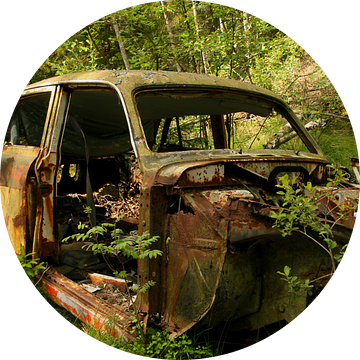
24, 145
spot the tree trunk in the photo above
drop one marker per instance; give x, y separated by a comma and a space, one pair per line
285, 133
120, 42
246, 27
171, 36
202, 53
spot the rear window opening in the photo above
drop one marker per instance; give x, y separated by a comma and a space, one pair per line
28, 120
97, 170
179, 120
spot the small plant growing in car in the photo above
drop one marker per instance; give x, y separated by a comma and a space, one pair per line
31, 266
300, 213
130, 247
294, 284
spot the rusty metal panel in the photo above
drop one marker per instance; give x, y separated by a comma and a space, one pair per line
221, 196
250, 293
16, 192
121, 284
86, 307
19, 188
206, 174
264, 165
354, 162
245, 223
333, 200
45, 240
170, 174
195, 256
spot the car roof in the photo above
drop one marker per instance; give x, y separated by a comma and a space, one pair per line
137, 79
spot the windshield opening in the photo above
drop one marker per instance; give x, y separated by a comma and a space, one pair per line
179, 120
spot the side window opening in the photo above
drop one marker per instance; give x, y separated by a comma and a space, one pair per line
99, 153
28, 120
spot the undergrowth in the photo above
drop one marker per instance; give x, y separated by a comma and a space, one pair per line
155, 344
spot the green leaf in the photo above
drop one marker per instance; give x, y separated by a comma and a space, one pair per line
331, 243
123, 274
293, 180
287, 270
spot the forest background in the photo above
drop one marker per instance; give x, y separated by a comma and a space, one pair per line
202, 37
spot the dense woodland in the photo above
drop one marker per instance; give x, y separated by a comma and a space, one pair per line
191, 36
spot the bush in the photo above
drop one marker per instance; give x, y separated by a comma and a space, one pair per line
300, 212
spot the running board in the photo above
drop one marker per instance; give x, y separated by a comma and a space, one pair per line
86, 306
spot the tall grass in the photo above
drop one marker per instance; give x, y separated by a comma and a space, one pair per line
338, 142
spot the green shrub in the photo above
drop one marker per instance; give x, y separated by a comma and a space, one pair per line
31, 266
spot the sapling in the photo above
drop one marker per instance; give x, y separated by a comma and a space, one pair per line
124, 248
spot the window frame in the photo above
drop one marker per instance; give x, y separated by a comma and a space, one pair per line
34, 92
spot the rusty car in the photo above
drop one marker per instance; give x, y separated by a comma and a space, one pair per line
201, 151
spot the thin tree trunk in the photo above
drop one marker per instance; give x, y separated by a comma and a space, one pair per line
202, 53
120, 42
246, 25
171, 36
183, 5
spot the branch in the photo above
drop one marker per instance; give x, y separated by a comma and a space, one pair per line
321, 277
317, 242
323, 247
337, 116
42, 274
286, 133
300, 76
98, 48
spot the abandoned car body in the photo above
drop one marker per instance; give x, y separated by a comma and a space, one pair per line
201, 150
